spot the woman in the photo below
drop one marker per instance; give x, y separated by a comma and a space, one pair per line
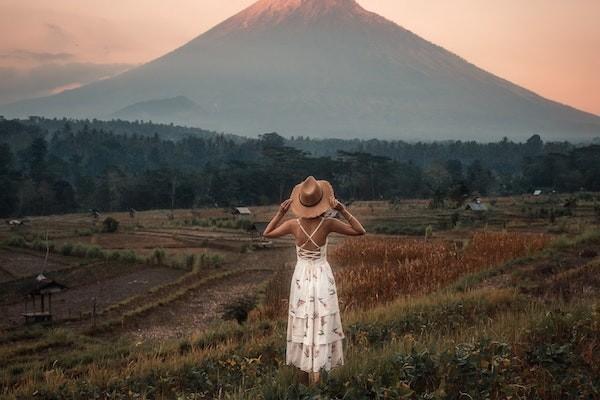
314, 331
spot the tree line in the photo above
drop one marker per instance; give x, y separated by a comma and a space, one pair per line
60, 166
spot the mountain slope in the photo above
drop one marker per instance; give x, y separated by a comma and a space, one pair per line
325, 68
166, 110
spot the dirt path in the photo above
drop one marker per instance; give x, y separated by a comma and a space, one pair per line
195, 310
198, 307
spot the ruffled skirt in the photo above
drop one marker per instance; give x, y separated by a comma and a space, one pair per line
314, 331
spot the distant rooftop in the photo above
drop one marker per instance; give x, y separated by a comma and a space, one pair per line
242, 211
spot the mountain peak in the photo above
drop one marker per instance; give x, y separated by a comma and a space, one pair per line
323, 68
311, 6
268, 13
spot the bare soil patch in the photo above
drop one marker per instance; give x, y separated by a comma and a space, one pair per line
21, 264
5, 276
119, 241
195, 310
79, 300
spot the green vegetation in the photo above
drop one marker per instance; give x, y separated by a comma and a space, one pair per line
74, 249
60, 166
521, 329
239, 308
224, 223
158, 256
110, 225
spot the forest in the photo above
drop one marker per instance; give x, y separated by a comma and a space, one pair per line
51, 166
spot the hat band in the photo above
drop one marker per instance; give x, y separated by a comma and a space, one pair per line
313, 204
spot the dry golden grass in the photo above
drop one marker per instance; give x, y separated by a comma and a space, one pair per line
373, 270
378, 270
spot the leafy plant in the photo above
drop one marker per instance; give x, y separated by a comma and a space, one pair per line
239, 308
110, 225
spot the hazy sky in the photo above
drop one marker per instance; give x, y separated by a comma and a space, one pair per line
549, 46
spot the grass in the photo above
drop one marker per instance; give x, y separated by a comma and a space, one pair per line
469, 337
158, 256
465, 334
224, 223
74, 250
376, 271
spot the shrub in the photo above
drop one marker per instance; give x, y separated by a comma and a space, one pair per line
190, 261
94, 252
110, 225
84, 232
66, 249
129, 256
210, 260
428, 232
238, 309
158, 257
560, 356
38, 244
16, 241
79, 250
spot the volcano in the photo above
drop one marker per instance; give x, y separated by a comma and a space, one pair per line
322, 68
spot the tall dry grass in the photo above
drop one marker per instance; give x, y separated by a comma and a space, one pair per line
375, 270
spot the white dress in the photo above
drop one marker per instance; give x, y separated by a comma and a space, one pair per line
314, 331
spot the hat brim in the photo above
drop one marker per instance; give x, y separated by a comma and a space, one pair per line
300, 210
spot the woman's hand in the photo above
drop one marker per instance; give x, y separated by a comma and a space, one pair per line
285, 206
275, 227
335, 204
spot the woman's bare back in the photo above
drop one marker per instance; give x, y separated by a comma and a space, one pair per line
317, 228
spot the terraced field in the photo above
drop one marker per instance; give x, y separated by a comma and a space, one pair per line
433, 288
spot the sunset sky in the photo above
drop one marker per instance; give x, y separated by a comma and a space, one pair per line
549, 46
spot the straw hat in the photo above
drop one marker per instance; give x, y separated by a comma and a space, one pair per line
310, 198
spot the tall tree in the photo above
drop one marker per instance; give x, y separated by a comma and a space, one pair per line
8, 182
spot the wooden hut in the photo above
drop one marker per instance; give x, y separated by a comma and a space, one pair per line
42, 288
476, 207
241, 211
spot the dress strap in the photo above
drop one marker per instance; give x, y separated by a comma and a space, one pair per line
310, 237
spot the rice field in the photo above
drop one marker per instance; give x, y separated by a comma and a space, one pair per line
505, 310
378, 270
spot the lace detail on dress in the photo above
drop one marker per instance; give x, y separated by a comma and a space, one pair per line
311, 255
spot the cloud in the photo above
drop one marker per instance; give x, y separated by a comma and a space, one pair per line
38, 57
18, 84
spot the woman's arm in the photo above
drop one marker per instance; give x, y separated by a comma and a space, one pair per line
274, 230
352, 228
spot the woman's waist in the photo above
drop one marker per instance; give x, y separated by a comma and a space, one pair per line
311, 255
321, 262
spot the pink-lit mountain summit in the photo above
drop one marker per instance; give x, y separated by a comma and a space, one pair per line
323, 68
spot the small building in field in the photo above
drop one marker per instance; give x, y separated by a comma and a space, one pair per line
537, 192
42, 288
477, 207
241, 211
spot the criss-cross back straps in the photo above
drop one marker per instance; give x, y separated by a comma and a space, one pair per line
309, 237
